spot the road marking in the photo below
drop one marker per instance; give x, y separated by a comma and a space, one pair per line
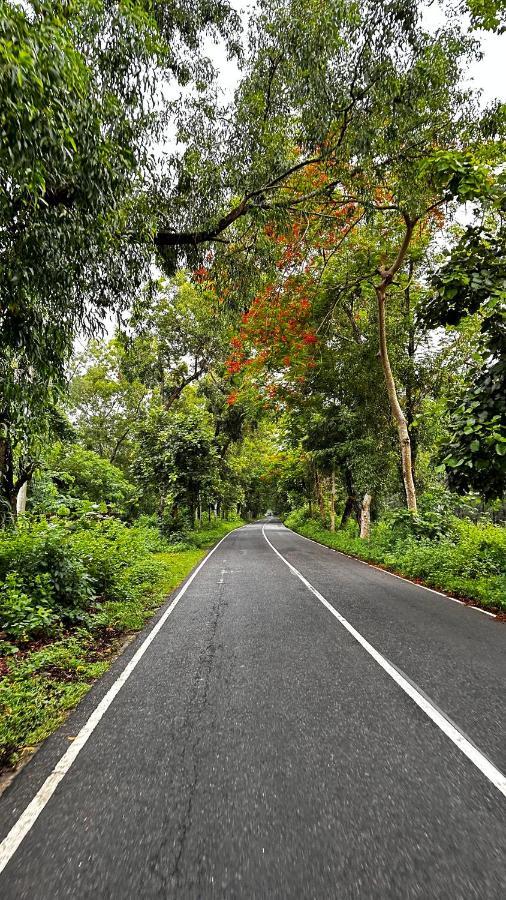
468, 749
393, 574
30, 815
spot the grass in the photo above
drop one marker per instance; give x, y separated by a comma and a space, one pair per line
45, 679
468, 562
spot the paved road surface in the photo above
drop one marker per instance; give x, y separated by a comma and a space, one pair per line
257, 750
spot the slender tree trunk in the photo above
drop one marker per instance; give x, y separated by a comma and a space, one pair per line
319, 494
333, 500
395, 406
8, 493
347, 512
21, 499
365, 516
410, 382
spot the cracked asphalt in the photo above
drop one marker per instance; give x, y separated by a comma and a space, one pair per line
257, 751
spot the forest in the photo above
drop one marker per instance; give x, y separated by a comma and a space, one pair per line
253, 261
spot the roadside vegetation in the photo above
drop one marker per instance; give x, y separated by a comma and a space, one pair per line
286, 297
465, 559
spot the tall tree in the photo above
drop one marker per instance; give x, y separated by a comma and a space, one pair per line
79, 115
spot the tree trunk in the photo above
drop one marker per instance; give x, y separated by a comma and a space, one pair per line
319, 494
365, 516
397, 413
333, 500
8, 494
21, 499
410, 381
352, 506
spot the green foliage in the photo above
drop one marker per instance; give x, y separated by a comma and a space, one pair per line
78, 118
106, 401
472, 282
42, 560
25, 615
178, 458
465, 559
475, 455
84, 475
471, 278
458, 174
488, 14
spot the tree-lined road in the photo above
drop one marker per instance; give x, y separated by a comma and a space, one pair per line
258, 750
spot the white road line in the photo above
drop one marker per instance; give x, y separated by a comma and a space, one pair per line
468, 749
29, 816
393, 574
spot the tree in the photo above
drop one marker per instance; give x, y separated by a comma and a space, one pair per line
470, 282
176, 332
367, 142
177, 460
488, 14
105, 405
78, 120
81, 474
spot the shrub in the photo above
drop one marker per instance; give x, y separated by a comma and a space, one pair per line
25, 615
42, 550
81, 481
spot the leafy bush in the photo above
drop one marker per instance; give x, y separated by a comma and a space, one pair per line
106, 548
79, 481
23, 615
41, 551
55, 573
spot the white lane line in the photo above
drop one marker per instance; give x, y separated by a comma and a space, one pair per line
29, 816
468, 749
393, 574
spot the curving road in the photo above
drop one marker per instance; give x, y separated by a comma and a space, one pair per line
295, 725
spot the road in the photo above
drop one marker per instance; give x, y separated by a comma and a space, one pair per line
255, 747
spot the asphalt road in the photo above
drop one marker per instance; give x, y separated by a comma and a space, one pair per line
258, 750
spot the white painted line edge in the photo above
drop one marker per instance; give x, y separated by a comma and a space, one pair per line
478, 759
29, 816
394, 575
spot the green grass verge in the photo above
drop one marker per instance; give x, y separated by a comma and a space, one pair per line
45, 679
469, 564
